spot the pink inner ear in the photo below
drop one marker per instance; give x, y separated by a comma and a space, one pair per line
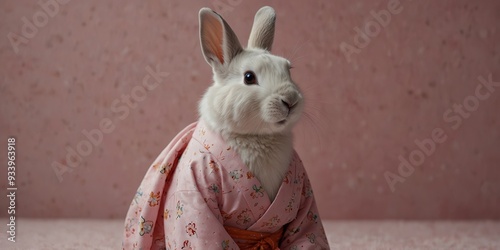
214, 37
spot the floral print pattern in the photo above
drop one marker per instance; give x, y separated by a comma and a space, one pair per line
154, 199
258, 192
191, 228
244, 217
179, 209
145, 226
198, 184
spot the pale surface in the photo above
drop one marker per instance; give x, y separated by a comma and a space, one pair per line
349, 235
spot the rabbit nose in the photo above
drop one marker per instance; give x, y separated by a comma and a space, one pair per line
288, 106
286, 103
289, 102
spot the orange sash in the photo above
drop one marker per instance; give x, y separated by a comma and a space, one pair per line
252, 240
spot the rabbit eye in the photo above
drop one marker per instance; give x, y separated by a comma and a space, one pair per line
250, 78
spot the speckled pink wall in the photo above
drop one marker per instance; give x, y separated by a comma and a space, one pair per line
403, 100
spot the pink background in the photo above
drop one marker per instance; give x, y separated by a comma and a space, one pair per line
363, 114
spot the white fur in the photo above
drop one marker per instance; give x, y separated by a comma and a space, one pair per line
255, 120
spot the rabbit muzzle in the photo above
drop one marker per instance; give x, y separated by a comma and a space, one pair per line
280, 109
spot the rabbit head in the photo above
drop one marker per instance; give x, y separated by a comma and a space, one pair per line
253, 92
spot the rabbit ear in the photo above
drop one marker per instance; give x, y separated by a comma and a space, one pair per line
219, 44
262, 34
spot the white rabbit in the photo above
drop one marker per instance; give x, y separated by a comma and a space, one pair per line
253, 102
201, 190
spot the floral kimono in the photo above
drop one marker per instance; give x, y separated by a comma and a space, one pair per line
198, 189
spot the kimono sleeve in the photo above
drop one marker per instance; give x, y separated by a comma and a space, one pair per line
193, 219
306, 230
